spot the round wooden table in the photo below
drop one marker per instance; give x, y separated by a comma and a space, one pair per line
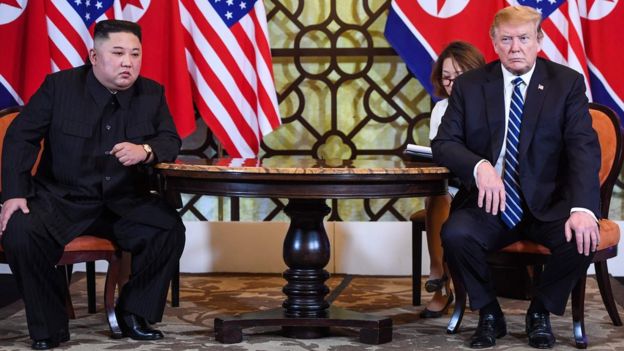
307, 183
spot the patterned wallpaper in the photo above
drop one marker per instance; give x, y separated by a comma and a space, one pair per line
343, 93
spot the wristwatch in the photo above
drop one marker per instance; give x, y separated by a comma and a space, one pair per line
148, 150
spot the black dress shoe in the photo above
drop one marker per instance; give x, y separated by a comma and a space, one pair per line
136, 327
427, 313
539, 331
50, 343
490, 328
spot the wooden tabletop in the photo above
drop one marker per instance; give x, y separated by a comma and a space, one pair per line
304, 177
304, 165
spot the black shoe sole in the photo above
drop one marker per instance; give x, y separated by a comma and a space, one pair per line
498, 336
158, 337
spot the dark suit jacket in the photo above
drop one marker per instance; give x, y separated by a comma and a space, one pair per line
66, 112
559, 150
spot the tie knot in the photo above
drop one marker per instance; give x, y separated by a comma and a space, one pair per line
517, 82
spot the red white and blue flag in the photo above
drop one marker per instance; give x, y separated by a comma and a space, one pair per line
70, 29
229, 59
163, 54
575, 33
215, 52
24, 62
601, 22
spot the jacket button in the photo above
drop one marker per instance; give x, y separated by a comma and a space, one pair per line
107, 178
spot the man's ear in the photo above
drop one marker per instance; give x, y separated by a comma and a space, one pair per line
494, 45
92, 56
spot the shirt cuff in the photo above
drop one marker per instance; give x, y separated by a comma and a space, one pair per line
582, 209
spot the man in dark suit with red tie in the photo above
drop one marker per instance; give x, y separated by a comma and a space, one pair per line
103, 126
518, 133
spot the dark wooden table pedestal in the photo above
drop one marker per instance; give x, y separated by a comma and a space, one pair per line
307, 183
305, 313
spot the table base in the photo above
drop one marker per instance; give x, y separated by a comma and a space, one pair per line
373, 329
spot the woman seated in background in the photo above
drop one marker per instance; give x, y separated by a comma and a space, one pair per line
457, 58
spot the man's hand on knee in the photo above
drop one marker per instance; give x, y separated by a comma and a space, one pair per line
585, 230
8, 208
491, 189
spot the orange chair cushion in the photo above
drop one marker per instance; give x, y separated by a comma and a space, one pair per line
609, 236
90, 243
5, 121
526, 246
86, 243
419, 216
608, 141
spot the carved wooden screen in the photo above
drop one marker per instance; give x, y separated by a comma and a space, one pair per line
342, 92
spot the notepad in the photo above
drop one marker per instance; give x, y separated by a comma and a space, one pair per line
419, 150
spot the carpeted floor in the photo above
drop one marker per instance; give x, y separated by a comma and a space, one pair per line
204, 297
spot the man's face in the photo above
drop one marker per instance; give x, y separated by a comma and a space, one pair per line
517, 46
117, 60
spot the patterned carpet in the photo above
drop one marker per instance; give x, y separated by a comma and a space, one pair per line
204, 297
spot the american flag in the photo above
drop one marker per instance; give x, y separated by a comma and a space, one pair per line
70, 27
229, 59
563, 40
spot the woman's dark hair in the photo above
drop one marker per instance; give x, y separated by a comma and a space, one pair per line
104, 28
467, 57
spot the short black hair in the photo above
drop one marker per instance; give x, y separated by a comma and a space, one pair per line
105, 27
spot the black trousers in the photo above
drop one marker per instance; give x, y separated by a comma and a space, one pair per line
470, 234
32, 254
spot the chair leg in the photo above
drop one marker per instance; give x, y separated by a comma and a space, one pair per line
112, 279
604, 285
417, 230
578, 313
91, 286
460, 303
175, 287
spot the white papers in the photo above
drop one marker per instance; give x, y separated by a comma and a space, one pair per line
418, 150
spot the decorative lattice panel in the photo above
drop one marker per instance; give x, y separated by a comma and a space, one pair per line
343, 93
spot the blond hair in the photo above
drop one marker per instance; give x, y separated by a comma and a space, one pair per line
517, 15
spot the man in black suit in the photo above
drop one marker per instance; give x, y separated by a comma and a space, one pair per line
528, 159
102, 126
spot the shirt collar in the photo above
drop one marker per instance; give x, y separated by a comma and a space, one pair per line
102, 95
526, 78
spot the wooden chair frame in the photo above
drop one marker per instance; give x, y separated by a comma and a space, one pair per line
537, 255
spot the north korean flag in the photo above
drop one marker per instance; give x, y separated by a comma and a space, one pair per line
164, 57
420, 29
601, 20
25, 58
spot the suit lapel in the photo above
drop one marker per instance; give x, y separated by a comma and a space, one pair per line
495, 107
536, 92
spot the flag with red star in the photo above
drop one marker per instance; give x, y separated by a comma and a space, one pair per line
420, 29
600, 20
574, 34
164, 58
25, 58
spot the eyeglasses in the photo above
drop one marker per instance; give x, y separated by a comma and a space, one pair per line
447, 81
